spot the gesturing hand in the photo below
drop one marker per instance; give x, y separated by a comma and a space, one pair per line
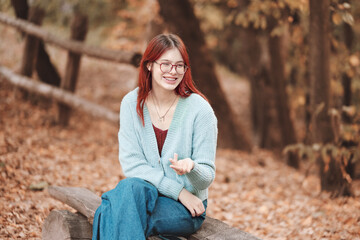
181, 166
191, 202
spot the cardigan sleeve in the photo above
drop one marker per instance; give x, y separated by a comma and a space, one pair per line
133, 161
204, 149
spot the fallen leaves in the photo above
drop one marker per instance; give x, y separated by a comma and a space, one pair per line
255, 192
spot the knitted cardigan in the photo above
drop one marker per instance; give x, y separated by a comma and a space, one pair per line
192, 134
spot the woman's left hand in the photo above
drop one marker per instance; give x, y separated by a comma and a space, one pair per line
182, 166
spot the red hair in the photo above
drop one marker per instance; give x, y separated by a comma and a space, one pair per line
156, 48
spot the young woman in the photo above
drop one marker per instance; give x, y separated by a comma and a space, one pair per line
167, 145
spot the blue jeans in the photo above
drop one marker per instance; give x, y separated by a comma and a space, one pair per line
135, 210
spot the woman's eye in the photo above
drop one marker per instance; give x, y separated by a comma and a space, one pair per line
166, 64
180, 65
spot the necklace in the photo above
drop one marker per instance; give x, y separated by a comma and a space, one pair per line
161, 118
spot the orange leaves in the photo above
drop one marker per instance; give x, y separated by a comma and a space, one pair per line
273, 201
342, 13
257, 13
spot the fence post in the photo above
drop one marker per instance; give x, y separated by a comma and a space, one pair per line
79, 27
36, 16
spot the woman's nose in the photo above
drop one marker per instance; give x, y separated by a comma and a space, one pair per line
173, 70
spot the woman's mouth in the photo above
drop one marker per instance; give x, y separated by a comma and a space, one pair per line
170, 80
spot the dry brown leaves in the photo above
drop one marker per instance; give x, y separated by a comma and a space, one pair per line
254, 192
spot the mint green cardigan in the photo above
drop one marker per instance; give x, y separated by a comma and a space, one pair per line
192, 134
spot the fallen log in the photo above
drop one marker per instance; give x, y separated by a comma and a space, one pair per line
59, 95
71, 45
86, 202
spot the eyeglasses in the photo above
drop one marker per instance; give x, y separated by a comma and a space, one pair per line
180, 68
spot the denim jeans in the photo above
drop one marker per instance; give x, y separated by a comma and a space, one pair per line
135, 210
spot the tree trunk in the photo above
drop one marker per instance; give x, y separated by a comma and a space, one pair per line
257, 69
180, 17
36, 16
21, 8
65, 225
346, 79
46, 71
278, 80
319, 49
331, 168
332, 175
79, 28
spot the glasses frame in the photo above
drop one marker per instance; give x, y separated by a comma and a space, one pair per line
172, 65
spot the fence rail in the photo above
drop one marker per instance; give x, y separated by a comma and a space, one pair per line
71, 45
59, 95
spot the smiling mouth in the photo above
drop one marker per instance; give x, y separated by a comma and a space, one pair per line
172, 79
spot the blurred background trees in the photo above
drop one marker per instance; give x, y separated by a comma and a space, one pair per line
301, 59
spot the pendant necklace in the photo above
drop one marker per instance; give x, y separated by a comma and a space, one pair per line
161, 118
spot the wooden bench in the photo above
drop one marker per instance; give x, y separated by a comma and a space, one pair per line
63, 224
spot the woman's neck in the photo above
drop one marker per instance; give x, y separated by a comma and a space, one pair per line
163, 96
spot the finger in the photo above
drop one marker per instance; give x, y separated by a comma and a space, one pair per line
176, 157
188, 167
193, 213
176, 168
202, 209
199, 211
172, 161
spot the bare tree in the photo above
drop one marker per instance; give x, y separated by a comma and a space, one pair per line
180, 17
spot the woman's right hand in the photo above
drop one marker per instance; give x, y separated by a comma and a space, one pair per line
191, 202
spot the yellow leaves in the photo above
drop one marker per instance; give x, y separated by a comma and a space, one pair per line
348, 18
349, 110
342, 13
336, 18
39, 186
257, 13
232, 3
354, 60
278, 30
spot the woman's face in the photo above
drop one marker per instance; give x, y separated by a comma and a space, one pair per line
163, 79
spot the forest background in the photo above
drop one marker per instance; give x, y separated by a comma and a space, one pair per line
285, 74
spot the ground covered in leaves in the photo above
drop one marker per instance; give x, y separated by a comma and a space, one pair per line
255, 192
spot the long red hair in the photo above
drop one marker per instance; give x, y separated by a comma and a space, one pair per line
157, 47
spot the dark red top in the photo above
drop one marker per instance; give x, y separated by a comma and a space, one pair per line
160, 137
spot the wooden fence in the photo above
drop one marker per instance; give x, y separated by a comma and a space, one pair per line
76, 48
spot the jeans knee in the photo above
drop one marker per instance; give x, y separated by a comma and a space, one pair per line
135, 185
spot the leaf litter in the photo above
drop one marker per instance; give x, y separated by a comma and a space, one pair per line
255, 192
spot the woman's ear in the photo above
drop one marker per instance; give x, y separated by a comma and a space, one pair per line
148, 66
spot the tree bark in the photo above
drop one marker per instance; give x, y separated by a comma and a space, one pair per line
279, 85
330, 167
319, 49
86, 202
278, 82
79, 28
346, 79
332, 176
36, 16
65, 225
21, 8
46, 71
180, 17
